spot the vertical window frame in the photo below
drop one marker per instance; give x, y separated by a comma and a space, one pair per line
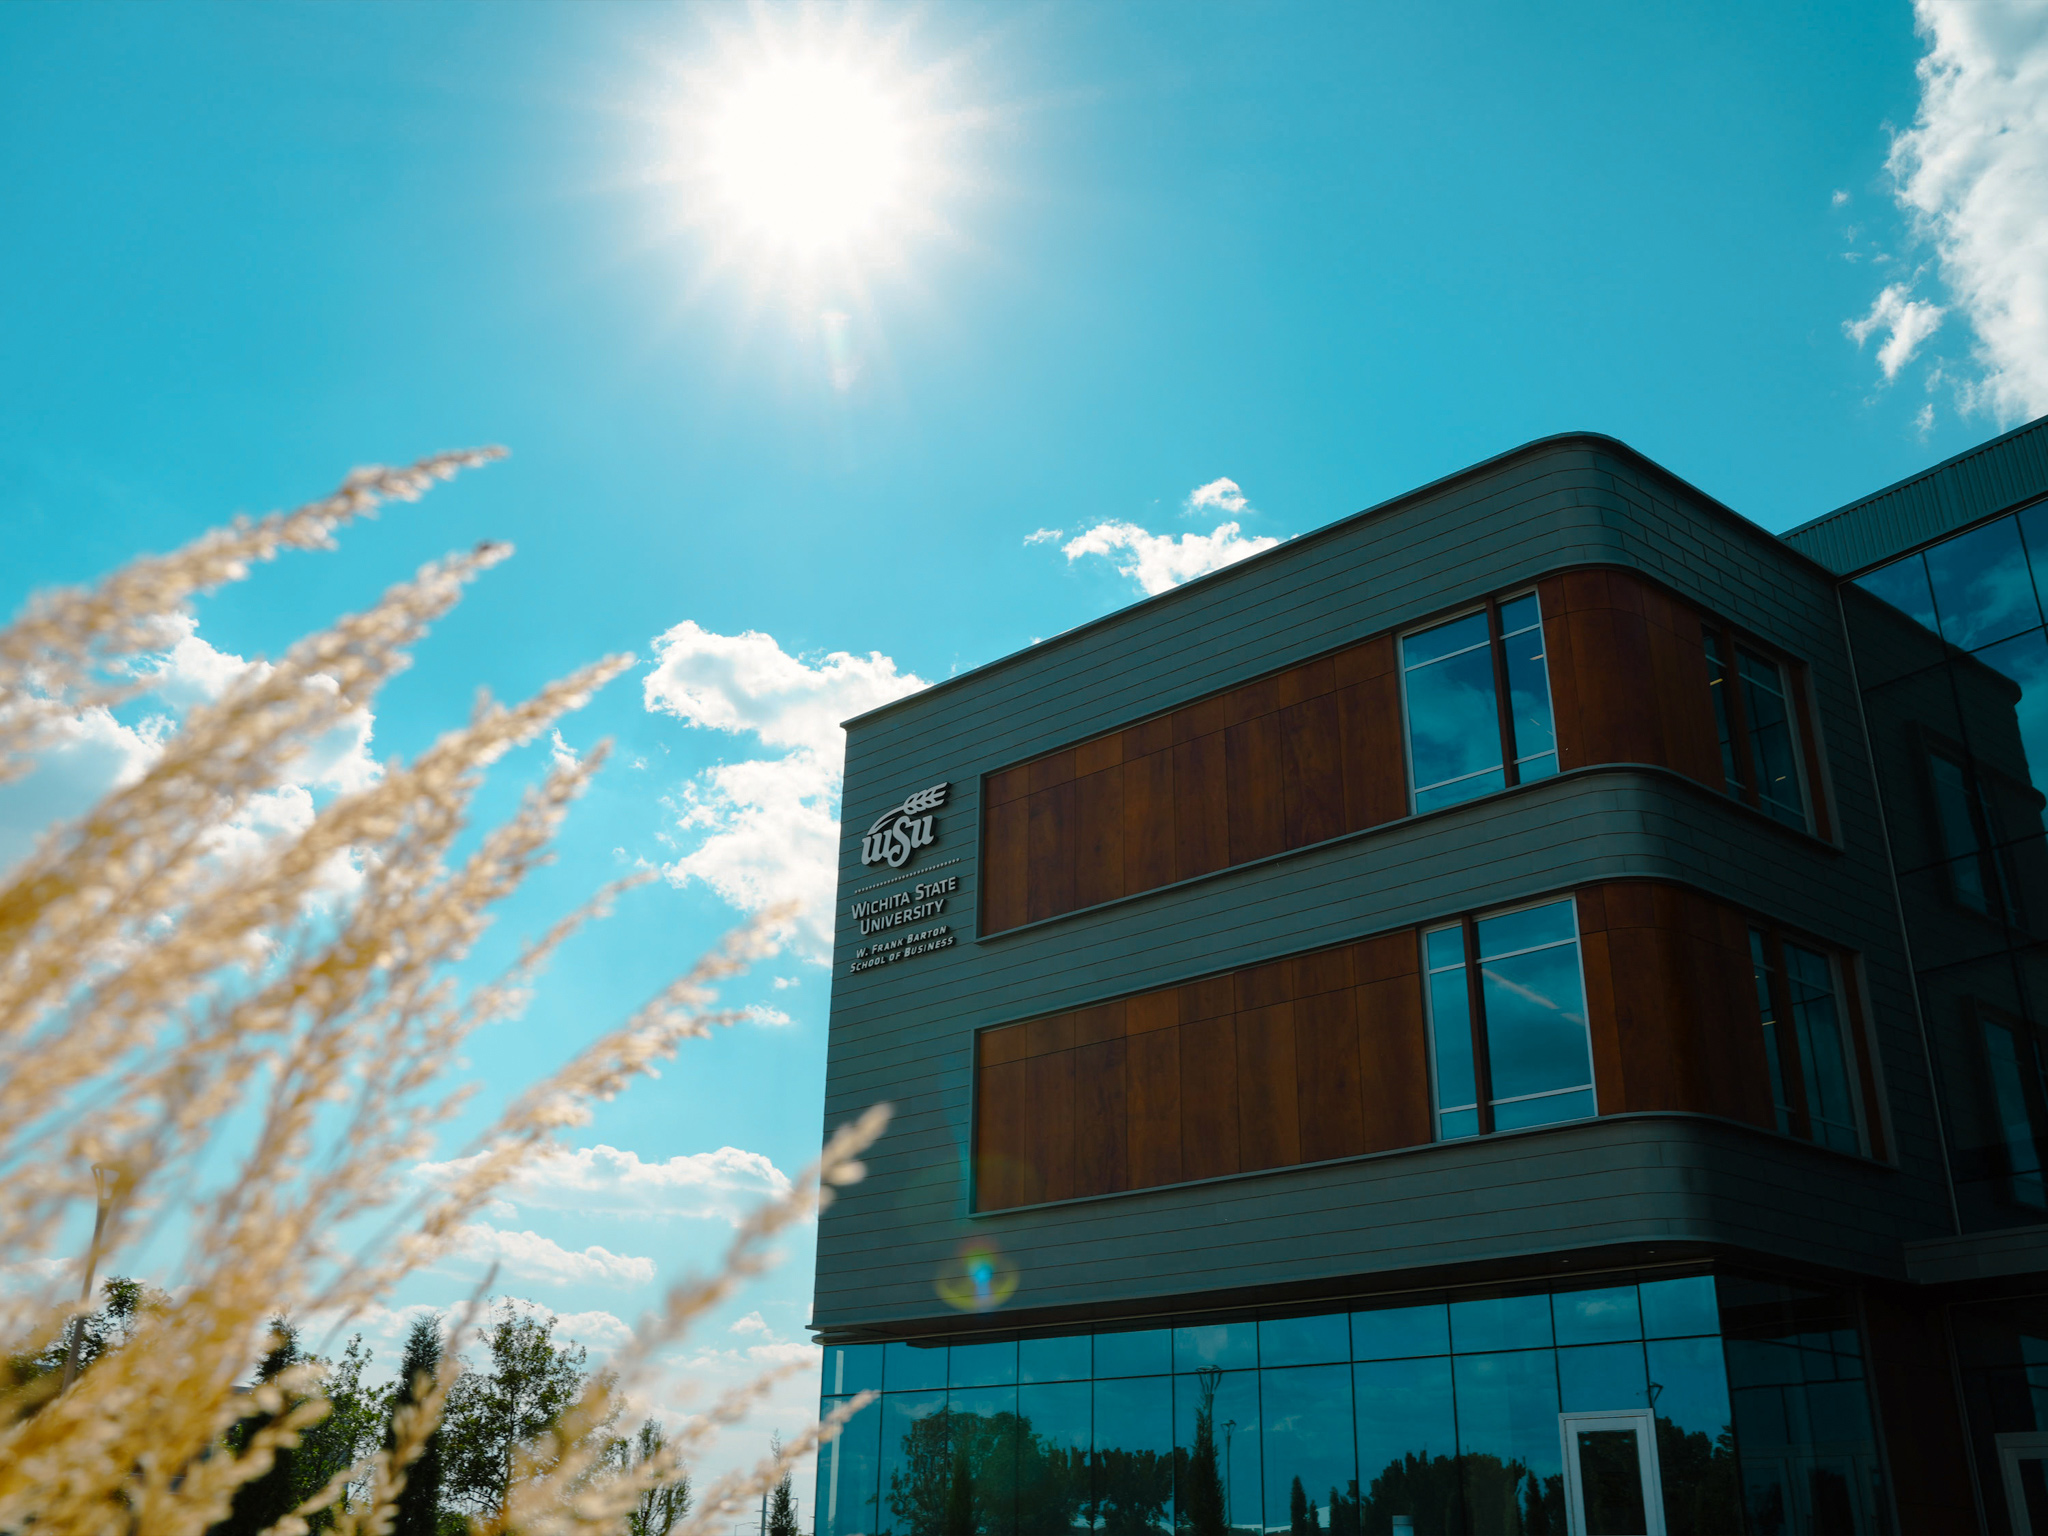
1503, 698
1467, 926
1847, 992
1732, 646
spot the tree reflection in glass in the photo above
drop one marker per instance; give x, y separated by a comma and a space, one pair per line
1131, 1492
1407, 1446
1511, 1461
1310, 1456
1052, 1457
1235, 1426
847, 1469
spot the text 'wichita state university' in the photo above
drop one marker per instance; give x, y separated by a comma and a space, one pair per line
912, 906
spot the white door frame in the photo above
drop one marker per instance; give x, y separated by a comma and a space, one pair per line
2014, 1447
1645, 1427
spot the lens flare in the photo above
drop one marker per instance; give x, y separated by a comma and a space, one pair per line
979, 1277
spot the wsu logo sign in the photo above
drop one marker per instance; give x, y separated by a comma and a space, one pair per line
899, 833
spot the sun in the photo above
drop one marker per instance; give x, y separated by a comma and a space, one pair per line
810, 156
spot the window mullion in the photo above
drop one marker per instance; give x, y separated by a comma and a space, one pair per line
1503, 703
1791, 1060
1738, 723
1475, 1005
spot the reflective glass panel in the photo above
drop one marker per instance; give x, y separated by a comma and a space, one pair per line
1536, 1039
1695, 1436
1052, 1457
1134, 1354
1230, 1345
2016, 746
1611, 1482
1903, 584
1061, 1359
1310, 1455
911, 1367
1392, 1332
917, 1462
983, 1422
1221, 1462
1955, 807
2009, 1066
983, 1365
1774, 755
1550, 1109
847, 1470
1774, 1055
1823, 1054
1453, 717
1597, 1378
1450, 1024
1528, 689
1513, 1463
851, 1368
1672, 1308
1132, 1489
1718, 684
1407, 1446
1304, 1340
1982, 589
1500, 1322
1604, 1316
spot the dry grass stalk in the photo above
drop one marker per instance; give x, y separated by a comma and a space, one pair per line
154, 988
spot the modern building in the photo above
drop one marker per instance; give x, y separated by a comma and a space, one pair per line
1519, 1011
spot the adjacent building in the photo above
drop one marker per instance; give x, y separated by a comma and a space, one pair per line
1518, 1011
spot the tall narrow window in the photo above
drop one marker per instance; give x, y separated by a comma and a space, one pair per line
1806, 1043
2012, 1063
1508, 1021
1759, 742
1478, 701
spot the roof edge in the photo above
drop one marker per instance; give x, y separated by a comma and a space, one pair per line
1554, 440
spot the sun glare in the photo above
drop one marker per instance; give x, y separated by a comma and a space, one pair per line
810, 155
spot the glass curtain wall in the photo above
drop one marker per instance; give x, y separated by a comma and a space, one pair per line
2002, 1352
1952, 656
1443, 1415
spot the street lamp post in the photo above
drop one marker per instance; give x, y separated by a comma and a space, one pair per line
1229, 1494
107, 1182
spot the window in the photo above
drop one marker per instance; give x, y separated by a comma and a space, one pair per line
1759, 744
1806, 1046
1507, 1012
1478, 700
2012, 1065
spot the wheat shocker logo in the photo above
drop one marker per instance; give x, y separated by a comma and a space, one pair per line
899, 833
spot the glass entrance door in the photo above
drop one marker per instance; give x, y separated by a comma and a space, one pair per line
2023, 1467
1611, 1485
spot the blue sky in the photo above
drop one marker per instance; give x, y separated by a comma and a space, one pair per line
1297, 259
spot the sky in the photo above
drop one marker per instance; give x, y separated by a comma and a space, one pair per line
839, 350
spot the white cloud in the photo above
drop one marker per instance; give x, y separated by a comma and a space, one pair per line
605, 1181
530, 1256
784, 982
560, 754
761, 1013
769, 826
753, 1322
1841, 196
1911, 321
91, 754
1225, 495
1160, 561
1043, 536
1972, 171
597, 1330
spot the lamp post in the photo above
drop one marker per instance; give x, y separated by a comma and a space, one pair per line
1229, 1496
107, 1182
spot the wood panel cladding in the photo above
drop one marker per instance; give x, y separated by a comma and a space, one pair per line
1324, 1055
1318, 750
1302, 1060
1628, 675
1291, 759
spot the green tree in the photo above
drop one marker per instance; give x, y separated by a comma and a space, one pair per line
960, 1494
263, 1501
663, 1504
1202, 1498
419, 1501
1131, 1490
492, 1413
355, 1418
781, 1505
1301, 1511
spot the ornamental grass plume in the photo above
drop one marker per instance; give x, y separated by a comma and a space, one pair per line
171, 1007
